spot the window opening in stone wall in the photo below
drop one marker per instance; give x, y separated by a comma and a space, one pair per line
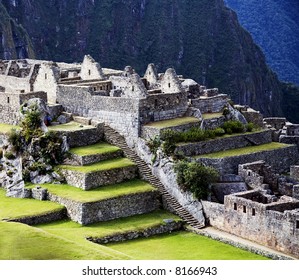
46, 76
297, 224
89, 72
132, 88
235, 206
101, 88
244, 209
8, 100
253, 211
169, 85
156, 102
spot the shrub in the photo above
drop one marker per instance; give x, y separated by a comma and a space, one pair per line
250, 127
219, 131
10, 155
15, 140
233, 127
195, 177
154, 145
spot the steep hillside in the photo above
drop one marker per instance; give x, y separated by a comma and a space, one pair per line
274, 26
202, 39
14, 39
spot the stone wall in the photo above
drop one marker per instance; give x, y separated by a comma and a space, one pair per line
44, 218
149, 132
120, 237
157, 107
89, 159
92, 180
46, 80
13, 84
225, 143
122, 114
10, 105
275, 224
280, 159
212, 104
163, 169
84, 137
110, 209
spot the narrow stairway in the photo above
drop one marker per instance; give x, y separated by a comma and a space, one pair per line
172, 204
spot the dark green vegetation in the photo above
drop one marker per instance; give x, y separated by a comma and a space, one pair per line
195, 177
196, 134
202, 39
274, 26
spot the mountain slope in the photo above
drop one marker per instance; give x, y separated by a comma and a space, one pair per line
202, 39
274, 26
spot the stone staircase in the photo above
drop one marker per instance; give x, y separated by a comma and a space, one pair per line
102, 185
169, 201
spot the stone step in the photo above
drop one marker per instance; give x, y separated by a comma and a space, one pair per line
279, 156
225, 143
107, 203
99, 174
86, 155
112, 137
150, 130
78, 134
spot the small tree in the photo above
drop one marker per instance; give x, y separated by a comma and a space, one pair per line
195, 177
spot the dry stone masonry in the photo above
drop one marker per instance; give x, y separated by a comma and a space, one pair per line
252, 199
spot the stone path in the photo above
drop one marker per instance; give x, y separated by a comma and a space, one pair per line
170, 202
243, 243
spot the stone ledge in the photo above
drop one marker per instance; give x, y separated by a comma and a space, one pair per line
252, 249
109, 209
280, 159
92, 180
90, 159
129, 235
225, 143
43, 218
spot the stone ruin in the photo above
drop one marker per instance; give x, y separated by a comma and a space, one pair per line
257, 203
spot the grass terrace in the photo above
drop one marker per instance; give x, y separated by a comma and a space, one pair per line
100, 166
12, 208
209, 116
181, 246
22, 242
245, 150
70, 126
76, 232
99, 148
173, 122
6, 128
102, 193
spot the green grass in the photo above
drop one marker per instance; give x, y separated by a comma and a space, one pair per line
173, 122
209, 116
6, 128
22, 242
11, 208
100, 166
71, 126
102, 193
245, 150
78, 233
182, 246
99, 148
